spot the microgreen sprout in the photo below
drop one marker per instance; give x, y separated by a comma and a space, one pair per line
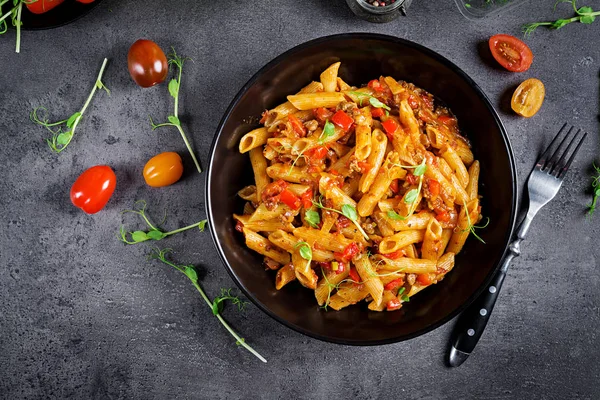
596, 191
216, 305
470, 227
174, 86
154, 232
412, 195
331, 287
305, 252
374, 101
313, 218
584, 15
60, 139
347, 211
15, 15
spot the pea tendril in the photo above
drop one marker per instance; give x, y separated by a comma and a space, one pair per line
596, 191
216, 305
585, 15
174, 86
60, 139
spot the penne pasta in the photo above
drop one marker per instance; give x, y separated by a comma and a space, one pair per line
329, 77
308, 101
369, 277
263, 246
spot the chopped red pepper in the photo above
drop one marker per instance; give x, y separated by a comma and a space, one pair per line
334, 172
364, 166
390, 125
434, 187
342, 120
396, 254
318, 153
354, 275
446, 120
341, 267
411, 179
375, 85
395, 284
443, 216
297, 125
424, 279
322, 114
394, 186
413, 102
307, 198
428, 101
349, 252
239, 226
377, 112
324, 265
290, 199
393, 305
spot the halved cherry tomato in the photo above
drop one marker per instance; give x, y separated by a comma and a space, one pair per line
307, 198
354, 275
147, 63
390, 126
377, 112
297, 125
434, 187
290, 199
528, 98
94, 187
424, 279
42, 6
393, 305
322, 114
511, 53
318, 153
395, 284
342, 120
163, 169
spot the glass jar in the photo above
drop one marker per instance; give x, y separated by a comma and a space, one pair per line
363, 9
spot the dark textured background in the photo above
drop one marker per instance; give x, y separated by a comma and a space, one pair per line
83, 316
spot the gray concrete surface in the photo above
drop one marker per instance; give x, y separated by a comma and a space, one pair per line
82, 316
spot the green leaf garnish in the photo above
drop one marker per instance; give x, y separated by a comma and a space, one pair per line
595, 191
378, 104
584, 15
348, 211
60, 139
174, 88
411, 196
304, 250
395, 216
313, 218
328, 132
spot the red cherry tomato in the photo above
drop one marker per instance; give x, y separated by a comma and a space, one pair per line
94, 187
147, 63
42, 6
511, 53
163, 169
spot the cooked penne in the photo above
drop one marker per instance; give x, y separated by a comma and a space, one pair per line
308, 101
389, 175
329, 77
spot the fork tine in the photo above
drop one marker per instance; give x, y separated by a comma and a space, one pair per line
563, 170
542, 160
558, 164
551, 163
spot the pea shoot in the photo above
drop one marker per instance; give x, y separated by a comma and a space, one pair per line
347, 211
60, 139
174, 87
305, 252
412, 195
15, 16
331, 287
153, 233
328, 132
585, 15
374, 101
216, 305
313, 218
470, 227
596, 191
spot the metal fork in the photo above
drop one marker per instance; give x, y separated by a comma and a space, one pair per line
543, 184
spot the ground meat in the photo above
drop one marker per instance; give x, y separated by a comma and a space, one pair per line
354, 165
271, 264
311, 125
369, 226
411, 278
348, 107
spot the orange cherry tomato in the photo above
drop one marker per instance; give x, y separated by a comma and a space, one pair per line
42, 6
147, 63
163, 169
528, 98
511, 53
93, 188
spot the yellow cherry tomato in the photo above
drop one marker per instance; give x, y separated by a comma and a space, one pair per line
528, 98
163, 169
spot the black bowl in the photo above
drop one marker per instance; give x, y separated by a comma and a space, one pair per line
363, 57
63, 14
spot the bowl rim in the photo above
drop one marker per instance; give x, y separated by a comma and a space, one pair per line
354, 36
85, 8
